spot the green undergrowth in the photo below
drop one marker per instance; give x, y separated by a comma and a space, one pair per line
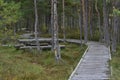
75, 34
115, 63
21, 65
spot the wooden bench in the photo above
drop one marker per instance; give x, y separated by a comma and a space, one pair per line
42, 47
17, 46
41, 40
45, 43
33, 40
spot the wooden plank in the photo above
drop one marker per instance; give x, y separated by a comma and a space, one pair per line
27, 35
40, 40
94, 65
17, 46
42, 47
33, 40
34, 44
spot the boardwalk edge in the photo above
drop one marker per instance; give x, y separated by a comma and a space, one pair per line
110, 57
78, 64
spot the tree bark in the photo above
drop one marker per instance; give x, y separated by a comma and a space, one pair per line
63, 20
36, 24
105, 23
115, 27
99, 20
114, 36
80, 21
90, 18
85, 21
55, 31
52, 28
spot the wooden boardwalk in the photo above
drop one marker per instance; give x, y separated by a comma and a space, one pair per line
94, 65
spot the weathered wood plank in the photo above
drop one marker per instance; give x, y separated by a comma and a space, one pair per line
33, 40
94, 65
42, 47
17, 46
27, 35
40, 40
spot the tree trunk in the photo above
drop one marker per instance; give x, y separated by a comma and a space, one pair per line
85, 22
105, 23
80, 21
99, 20
115, 27
63, 21
114, 36
52, 28
55, 31
36, 24
90, 18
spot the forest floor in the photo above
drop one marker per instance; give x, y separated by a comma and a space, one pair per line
23, 65
115, 65
20, 65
